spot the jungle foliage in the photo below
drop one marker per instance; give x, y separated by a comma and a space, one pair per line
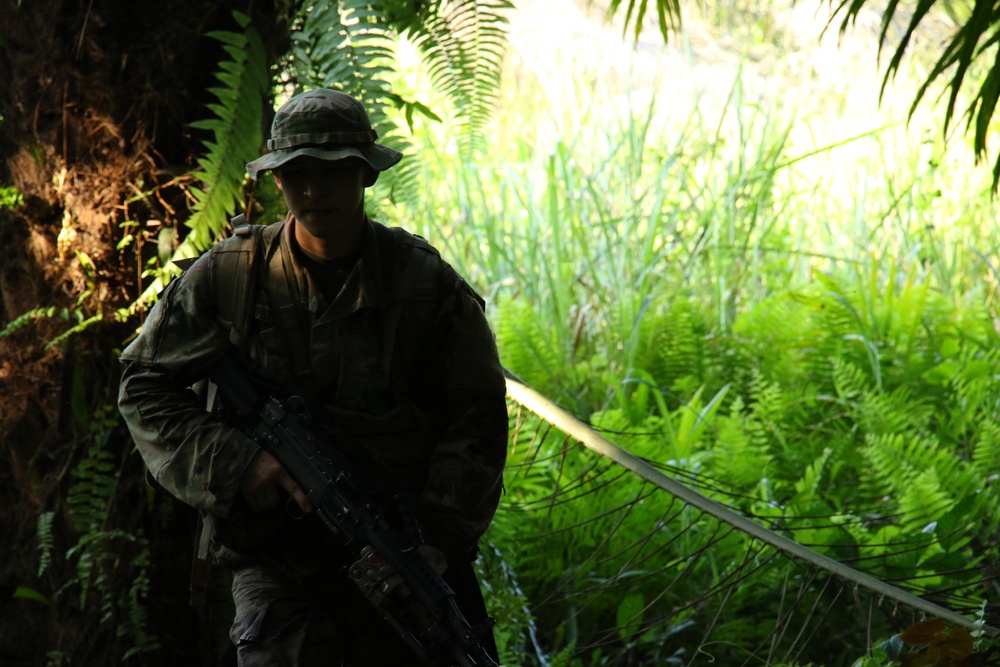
660, 279
967, 59
845, 398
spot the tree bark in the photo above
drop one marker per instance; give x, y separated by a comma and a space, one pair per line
95, 102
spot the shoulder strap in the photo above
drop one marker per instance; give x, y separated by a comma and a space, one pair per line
234, 281
235, 272
412, 261
285, 291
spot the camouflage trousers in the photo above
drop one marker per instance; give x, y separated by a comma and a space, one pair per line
324, 621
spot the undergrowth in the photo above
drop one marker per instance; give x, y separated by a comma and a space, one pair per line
813, 333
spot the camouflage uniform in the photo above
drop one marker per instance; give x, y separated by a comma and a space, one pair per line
401, 364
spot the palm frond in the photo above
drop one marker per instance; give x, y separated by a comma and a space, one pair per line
972, 43
668, 15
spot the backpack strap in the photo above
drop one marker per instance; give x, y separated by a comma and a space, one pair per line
286, 294
235, 275
418, 298
415, 277
234, 281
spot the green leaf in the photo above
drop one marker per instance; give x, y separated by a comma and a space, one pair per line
25, 593
629, 615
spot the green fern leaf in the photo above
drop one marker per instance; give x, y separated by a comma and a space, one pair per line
464, 42
46, 541
236, 137
349, 47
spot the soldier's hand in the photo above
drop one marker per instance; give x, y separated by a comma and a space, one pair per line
264, 483
434, 557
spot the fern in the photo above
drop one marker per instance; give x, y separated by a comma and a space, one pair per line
526, 346
46, 542
236, 134
849, 380
34, 314
464, 43
986, 446
101, 551
235, 126
673, 344
894, 411
89, 500
349, 46
615, 565
786, 337
741, 455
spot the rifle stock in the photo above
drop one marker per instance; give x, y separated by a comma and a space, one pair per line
388, 569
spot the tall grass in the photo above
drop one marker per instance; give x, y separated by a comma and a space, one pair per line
798, 304
595, 218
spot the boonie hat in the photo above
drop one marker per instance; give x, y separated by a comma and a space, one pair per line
325, 124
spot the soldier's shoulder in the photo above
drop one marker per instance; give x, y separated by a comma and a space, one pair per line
410, 255
400, 237
245, 236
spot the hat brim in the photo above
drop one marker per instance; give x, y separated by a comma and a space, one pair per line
379, 157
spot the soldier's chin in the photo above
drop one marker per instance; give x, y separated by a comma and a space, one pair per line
318, 215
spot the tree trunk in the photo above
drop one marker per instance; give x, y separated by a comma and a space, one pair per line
95, 98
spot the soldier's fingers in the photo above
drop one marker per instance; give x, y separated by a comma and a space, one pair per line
253, 500
271, 498
263, 498
296, 492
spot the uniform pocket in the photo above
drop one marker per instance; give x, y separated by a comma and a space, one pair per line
395, 439
255, 591
248, 626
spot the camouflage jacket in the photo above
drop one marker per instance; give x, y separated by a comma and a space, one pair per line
402, 361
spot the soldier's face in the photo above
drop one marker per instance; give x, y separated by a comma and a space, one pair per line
327, 198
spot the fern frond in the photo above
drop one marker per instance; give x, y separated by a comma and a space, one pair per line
464, 43
106, 559
46, 541
986, 446
235, 127
348, 46
673, 343
525, 344
698, 535
90, 497
741, 450
894, 411
849, 381
895, 460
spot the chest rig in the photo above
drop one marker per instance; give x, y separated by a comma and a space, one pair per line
419, 295
409, 325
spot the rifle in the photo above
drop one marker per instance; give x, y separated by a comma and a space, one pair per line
389, 571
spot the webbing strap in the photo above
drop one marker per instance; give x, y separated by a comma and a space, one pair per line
414, 279
200, 563
235, 273
285, 289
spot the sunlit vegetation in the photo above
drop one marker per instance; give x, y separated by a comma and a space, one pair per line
787, 298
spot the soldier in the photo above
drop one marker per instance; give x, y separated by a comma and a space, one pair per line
373, 329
